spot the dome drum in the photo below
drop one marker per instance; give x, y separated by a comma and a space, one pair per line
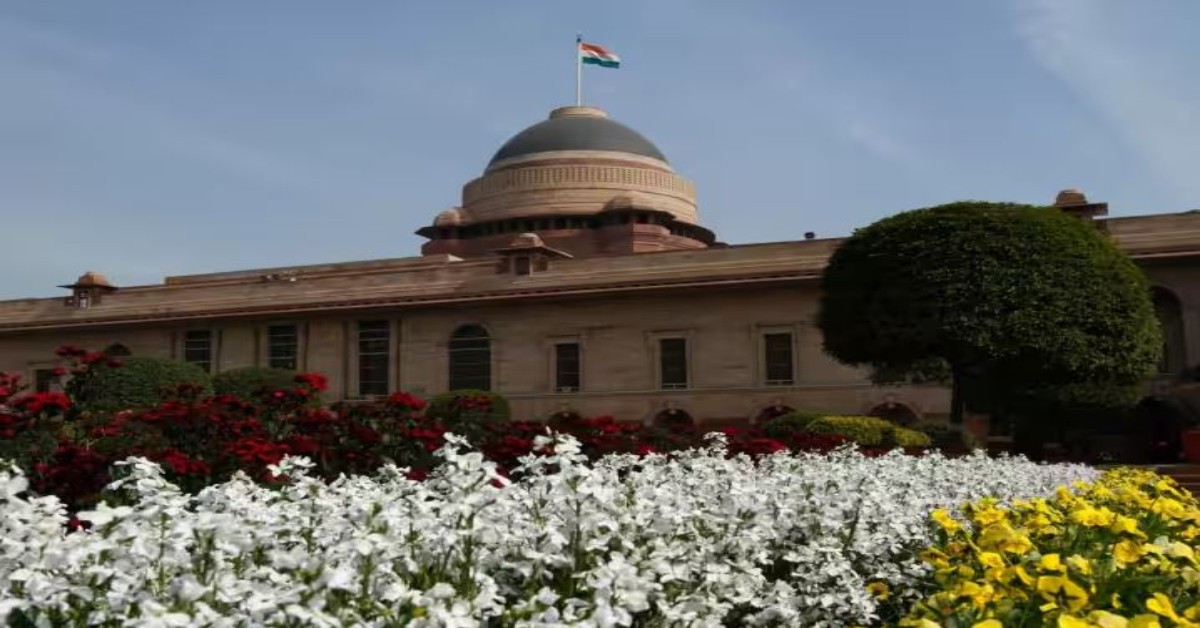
580, 180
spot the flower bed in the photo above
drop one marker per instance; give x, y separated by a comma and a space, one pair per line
1119, 552
697, 537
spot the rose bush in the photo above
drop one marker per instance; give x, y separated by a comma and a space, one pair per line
202, 439
700, 537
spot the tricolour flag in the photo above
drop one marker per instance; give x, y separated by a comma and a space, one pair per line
598, 55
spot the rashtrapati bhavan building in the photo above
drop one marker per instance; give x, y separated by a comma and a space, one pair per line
577, 274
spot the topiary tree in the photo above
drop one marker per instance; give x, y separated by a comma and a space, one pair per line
141, 382
993, 298
246, 382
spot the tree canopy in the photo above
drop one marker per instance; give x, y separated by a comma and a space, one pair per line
1022, 295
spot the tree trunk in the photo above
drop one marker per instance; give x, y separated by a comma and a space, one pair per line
957, 404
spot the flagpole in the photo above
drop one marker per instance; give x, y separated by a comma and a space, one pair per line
578, 71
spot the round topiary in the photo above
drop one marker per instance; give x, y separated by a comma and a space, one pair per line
245, 383
1015, 298
141, 382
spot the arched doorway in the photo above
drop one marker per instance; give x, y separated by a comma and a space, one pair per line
117, 350
674, 419
470, 359
1169, 311
894, 411
773, 411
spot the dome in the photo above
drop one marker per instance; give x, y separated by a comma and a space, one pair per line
448, 218
577, 128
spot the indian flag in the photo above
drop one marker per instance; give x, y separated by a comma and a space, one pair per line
598, 55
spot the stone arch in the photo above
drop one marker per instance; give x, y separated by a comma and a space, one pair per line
469, 358
117, 350
673, 419
770, 411
894, 410
1169, 311
565, 417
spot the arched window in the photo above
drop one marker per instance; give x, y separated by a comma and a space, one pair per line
674, 420
1170, 317
470, 352
895, 412
117, 350
773, 411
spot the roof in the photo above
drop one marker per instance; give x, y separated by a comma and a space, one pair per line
448, 280
577, 128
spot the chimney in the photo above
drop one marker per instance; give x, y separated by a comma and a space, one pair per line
1073, 201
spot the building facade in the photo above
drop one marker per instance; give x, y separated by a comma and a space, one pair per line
575, 275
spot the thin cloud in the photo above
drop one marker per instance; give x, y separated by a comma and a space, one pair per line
1080, 43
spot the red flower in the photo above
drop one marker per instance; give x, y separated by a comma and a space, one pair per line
316, 381
406, 401
58, 371
36, 403
66, 351
114, 363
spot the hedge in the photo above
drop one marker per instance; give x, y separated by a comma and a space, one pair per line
140, 382
245, 383
869, 431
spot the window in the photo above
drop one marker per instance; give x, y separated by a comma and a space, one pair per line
374, 357
470, 356
777, 359
44, 380
198, 348
566, 367
1170, 318
672, 363
282, 343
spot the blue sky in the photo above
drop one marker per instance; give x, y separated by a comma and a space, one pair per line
145, 138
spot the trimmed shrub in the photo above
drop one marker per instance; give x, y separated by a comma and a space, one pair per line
245, 383
905, 437
868, 431
788, 424
141, 382
946, 436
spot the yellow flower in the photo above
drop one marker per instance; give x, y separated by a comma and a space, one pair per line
920, 623
1168, 507
1145, 621
1051, 562
988, 623
1067, 621
991, 559
1127, 552
1002, 537
988, 516
880, 590
1161, 605
1092, 517
1060, 589
1080, 564
1126, 525
1181, 550
1024, 576
1105, 619
944, 519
